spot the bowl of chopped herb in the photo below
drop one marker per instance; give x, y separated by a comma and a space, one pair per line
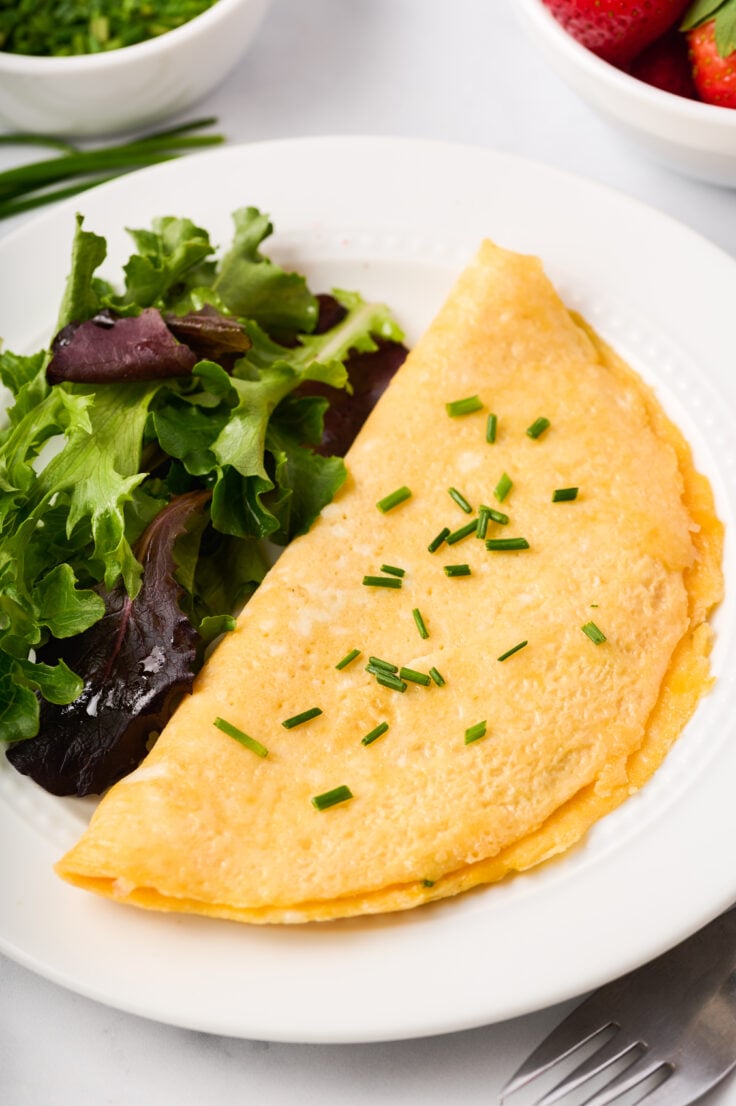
72, 67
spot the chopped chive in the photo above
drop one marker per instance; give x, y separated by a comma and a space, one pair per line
385, 679
428, 883
381, 582
564, 495
463, 532
457, 570
475, 733
414, 677
463, 406
495, 516
503, 487
499, 545
348, 659
393, 570
510, 652
423, 631
305, 716
374, 735
332, 798
460, 500
491, 427
437, 542
437, 677
591, 630
538, 427
385, 665
243, 738
483, 520
594, 604
390, 501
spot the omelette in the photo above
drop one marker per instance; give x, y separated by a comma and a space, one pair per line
488, 640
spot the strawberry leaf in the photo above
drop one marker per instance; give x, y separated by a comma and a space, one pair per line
725, 29
700, 12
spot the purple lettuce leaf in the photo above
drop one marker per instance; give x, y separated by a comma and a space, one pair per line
110, 349
369, 374
209, 334
136, 663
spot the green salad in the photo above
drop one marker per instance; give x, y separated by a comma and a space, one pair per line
63, 27
172, 427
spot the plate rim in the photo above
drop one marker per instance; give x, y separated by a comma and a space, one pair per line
475, 1014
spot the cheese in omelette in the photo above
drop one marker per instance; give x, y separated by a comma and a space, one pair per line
495, 764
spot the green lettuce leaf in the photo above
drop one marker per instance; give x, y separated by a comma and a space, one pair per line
81, 299
169, 256
253, 287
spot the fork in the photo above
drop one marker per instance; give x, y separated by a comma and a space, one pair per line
671, 1022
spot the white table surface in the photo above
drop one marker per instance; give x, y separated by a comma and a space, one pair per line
458, 70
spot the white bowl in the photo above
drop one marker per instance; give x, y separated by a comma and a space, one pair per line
694, 138
95, 94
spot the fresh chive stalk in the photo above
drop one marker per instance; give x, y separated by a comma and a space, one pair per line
374, 735
457, 570
503, 487
420, 623
564, 495
348, 659
483, 520
414, 677
495, 516
491, 428
392, 570
38, 140
299, 719
381, 582
8, 208
386, 665
244, 739
26, 186
332, 798
461, 501
510, 652
441, 537
500, 545
437, 677
475, 733
465, 406
394, 499
538, 427
463, 532
591, 630
385, 679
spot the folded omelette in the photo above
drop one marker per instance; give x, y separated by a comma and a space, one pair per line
555, 672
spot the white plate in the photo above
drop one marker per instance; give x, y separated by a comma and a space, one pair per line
398, 219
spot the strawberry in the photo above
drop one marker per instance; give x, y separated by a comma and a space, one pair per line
617, 30
665, 64
711, 37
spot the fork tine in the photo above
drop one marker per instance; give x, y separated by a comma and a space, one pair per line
606, 1055
575, 1031
628, 1081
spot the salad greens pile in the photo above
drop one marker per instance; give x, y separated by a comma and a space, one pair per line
63, 27
171, 428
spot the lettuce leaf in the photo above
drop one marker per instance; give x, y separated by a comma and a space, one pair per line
87, 468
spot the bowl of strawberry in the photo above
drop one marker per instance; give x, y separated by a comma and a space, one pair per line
662, 71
